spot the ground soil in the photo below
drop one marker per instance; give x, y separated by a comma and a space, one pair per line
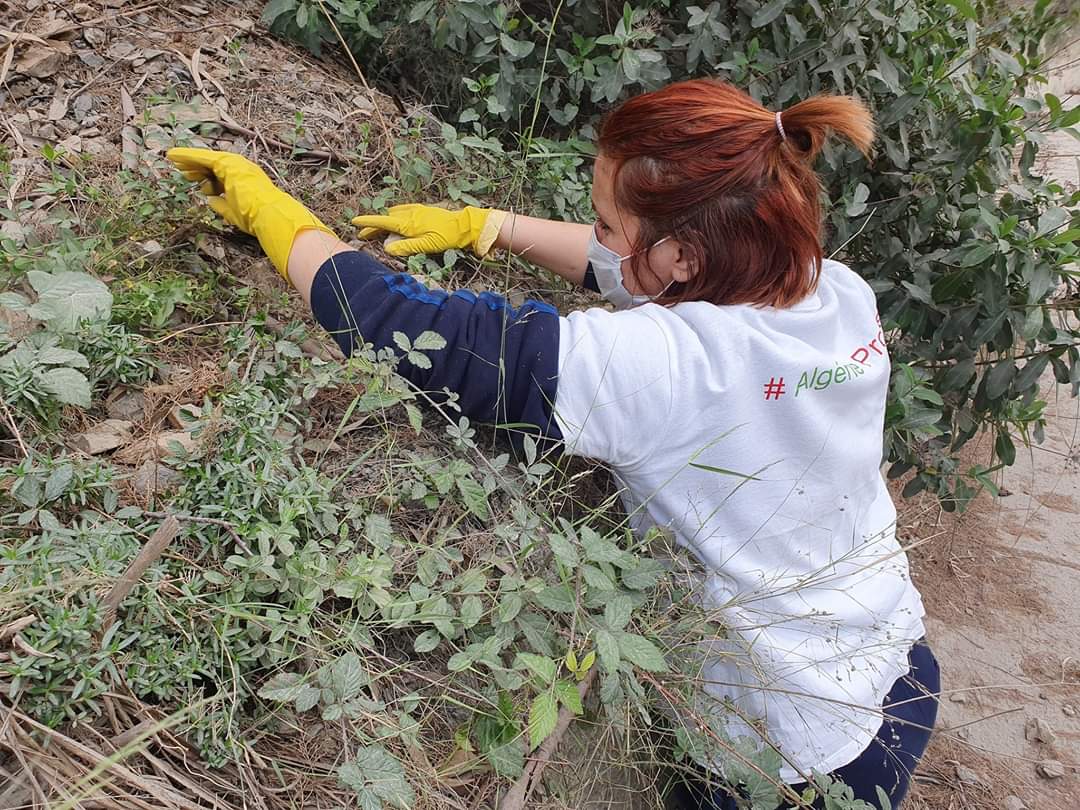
1000, 582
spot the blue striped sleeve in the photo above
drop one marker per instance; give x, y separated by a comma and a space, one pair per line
502, 362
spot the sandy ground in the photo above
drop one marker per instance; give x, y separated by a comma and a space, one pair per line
1001, 588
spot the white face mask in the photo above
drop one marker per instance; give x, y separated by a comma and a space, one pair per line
606, 265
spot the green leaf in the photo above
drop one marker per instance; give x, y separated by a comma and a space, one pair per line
641, 652
289, 687
597, 579
617, 611
1005, 449
68, 386
378, 531
55, 356
472, 609
374, 769
999, 377
964, 7
607, 647
345, 677
599, 549
517, 48
427, 641
569, 696
58, 481
543, 716
416, 418
539, 665
474, 497
429, 341
459, 661
564, 550
645, 574
1051, 220
979, 254
71, 297
767, 13
509, 607
558, 598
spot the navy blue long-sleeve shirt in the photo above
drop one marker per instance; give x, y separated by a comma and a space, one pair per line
502, 362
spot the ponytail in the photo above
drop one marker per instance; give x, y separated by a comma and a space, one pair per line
809, 123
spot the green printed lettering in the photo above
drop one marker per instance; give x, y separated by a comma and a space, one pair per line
802, 383
824, 380
840, 375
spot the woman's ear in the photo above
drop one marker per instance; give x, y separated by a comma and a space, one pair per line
684, 265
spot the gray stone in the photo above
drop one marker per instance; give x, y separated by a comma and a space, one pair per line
129, 405
82, 106
103, 437
1012, 803
152, 478
1038, 730
94, 36
1050, 769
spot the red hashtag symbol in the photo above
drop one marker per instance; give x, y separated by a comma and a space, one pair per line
774, 388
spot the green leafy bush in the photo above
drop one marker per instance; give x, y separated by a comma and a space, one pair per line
972, 259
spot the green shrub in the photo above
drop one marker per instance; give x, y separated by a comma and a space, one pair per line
966, 254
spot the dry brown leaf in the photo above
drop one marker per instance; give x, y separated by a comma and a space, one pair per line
127, 106
196, 72
42, 61
129, 145
18, 36
59, 28
9, 54
58, 107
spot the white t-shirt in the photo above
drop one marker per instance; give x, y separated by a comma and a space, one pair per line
803, 564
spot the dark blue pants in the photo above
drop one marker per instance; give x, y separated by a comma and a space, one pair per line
888, 762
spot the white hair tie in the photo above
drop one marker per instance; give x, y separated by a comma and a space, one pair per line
780, 127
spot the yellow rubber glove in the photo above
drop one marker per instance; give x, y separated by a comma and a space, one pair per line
245, 197
430, 229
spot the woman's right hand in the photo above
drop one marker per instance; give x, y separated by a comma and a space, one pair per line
429, 229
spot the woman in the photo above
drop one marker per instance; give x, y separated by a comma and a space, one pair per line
734, 345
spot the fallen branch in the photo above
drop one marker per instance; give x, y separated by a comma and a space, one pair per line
147, 555
208, 521
518, 794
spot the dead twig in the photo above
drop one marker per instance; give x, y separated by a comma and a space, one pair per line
208, 521
518, 794
147, 555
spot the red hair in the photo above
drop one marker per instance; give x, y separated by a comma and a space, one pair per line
704, 163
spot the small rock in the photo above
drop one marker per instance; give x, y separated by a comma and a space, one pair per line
166, 442
1012, 803
968, 776
94, 36
48, 132
90, 58
129, 405
1038, 730
13, 230
959, 697
122, 50
83, 11
1068, 711
153, 477
72, 144
151, 247
103, 437
1050, 769
184, 417
322, 446
1043, 696
82, 107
